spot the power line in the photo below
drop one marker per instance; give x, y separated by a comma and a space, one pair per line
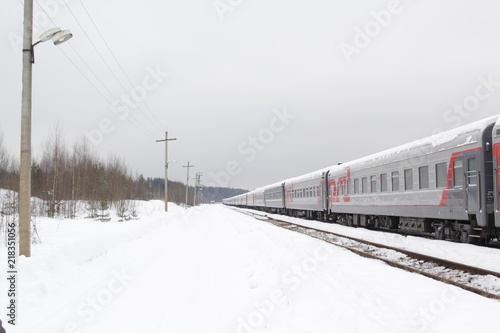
102, 58
156, 121
116, 60
143, 129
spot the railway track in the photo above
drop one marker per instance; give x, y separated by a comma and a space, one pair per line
477, 280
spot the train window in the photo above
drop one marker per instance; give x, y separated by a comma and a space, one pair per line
356, 186
373, 184
472, 172
340, 188
423, 177
458, 173
383, 182
364, 184
408, 179
349, 191
441, 175
395, 181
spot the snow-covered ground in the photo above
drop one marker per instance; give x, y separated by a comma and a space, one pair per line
479, 256
211, 269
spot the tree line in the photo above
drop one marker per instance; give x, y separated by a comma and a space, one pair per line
61, 176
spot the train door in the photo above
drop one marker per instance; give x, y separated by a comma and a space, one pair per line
325, 192
472, 183
496, 172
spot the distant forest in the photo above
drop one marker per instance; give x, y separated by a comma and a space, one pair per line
61, 175
177, 191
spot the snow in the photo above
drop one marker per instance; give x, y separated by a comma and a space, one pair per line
212, 269
483, 257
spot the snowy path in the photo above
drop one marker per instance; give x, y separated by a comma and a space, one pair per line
211, 269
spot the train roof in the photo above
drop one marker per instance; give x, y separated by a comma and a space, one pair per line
457, 137
308, 176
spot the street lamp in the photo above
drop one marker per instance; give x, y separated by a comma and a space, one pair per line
58, 36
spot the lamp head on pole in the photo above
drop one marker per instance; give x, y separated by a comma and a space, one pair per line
57, 35
61, 37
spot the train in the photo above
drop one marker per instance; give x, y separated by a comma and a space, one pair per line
445, 186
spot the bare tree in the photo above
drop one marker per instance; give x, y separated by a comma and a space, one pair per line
53, 164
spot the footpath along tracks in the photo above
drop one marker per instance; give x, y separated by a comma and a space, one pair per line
477, 280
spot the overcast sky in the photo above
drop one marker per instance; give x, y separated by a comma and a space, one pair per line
255, 91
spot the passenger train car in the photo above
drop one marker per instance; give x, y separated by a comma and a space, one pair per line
447, 185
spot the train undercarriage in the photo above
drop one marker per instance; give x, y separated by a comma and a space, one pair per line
450, 230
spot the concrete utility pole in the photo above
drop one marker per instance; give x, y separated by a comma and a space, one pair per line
166, 167
58, 37
187, 182
25, 166
200, 188
196, 188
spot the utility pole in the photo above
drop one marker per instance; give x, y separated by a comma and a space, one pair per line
166, 140
196, 188
187, 181
25, 166
58, 36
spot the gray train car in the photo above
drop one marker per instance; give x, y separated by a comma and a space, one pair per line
443, 182
304, 195
259, 201
274, 198
251, 198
